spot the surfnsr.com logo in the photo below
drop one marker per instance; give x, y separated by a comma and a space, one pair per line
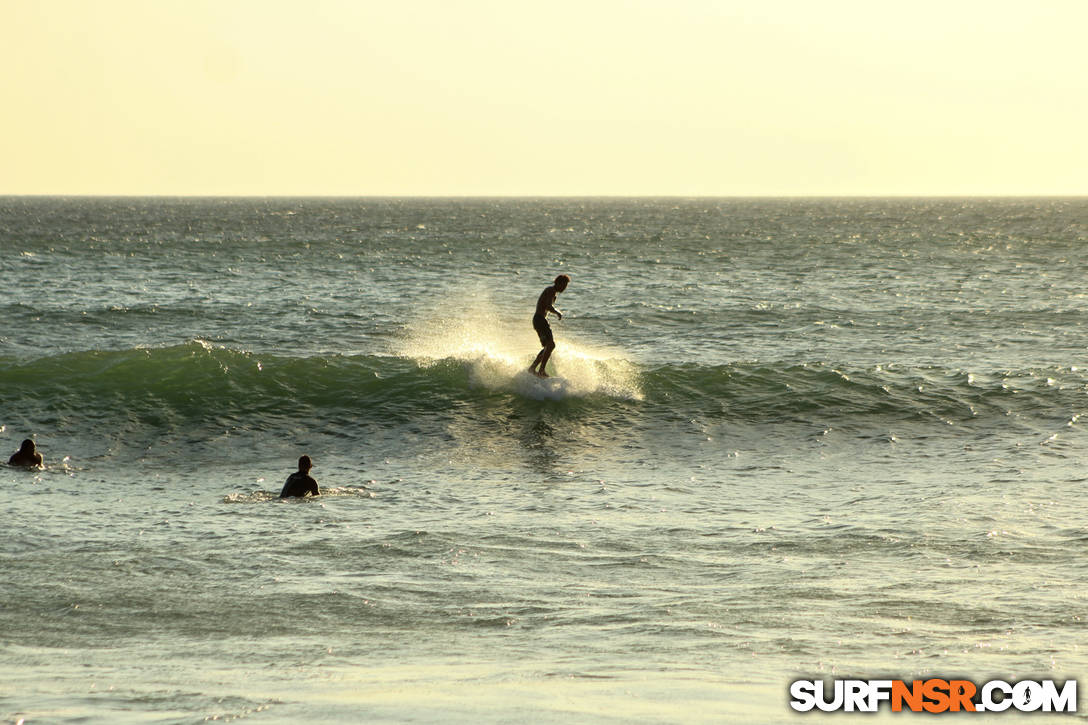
934, 695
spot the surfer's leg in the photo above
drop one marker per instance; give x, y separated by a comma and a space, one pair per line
537, 368
543, 357
544, 332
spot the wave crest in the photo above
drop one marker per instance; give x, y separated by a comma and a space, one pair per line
185, 386
497, 353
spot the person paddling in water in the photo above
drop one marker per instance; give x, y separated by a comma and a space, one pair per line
27, 456
544, 305
300, 482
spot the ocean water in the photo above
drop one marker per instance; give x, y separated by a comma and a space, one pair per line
786, 439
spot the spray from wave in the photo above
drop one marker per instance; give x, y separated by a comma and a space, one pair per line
497, 351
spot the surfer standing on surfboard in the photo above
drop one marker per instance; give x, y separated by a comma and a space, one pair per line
544, 305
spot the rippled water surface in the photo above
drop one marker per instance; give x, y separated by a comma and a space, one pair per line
787, 439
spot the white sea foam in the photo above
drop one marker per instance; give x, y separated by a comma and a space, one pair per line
498, 351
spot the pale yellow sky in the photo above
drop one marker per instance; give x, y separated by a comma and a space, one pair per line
568, 97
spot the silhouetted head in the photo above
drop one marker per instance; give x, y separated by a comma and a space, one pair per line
27, 447
561, 282
305, 464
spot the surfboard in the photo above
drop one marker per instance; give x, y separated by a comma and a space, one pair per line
554, 387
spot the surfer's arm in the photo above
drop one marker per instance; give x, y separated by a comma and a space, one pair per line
546, 303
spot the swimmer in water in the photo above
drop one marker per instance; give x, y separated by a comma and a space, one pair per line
300, 483
27, 456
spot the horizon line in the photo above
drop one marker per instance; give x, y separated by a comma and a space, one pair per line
542, 196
